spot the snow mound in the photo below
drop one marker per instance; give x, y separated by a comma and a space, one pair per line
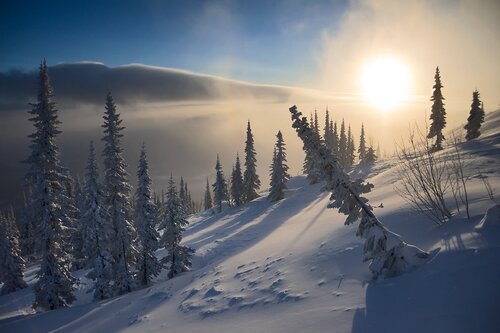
491, 218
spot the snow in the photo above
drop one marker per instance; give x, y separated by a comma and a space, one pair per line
293, 266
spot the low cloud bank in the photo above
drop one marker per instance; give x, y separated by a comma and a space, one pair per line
88, 82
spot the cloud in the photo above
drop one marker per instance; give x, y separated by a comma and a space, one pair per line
88, 82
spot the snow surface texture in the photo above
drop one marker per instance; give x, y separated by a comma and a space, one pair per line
292, 266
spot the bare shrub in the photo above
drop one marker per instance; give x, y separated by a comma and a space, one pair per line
456, 173
424, 177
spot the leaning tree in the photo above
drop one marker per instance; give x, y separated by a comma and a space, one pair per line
387, 253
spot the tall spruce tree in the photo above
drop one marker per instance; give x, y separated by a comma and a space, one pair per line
438, 114
96, 230
279, 170
12, 264
220, 186
148, 265
92, 212
229, 186
335, 138
48, 203
316, 123
328, 131
207, 202
342, 156
475, 119
362, 146
237, 183
351, 148
182, 191
117, 191
189, 201
251, 181
178, 257
387, 253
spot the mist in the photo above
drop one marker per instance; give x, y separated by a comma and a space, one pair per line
183, 129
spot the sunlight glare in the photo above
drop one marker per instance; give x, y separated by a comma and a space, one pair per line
385, 83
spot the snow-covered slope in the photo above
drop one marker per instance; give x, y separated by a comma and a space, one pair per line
293, 266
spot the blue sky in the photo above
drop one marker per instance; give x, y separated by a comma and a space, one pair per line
258, 41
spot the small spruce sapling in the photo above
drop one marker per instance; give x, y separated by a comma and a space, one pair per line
279, 170
475, 119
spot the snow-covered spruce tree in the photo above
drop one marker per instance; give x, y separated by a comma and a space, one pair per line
316, 123
117, 192
182, 192
308, 169
310, 164
251, 182
370, 156
229, 186
91, 210
237, 183
362, 145
148, 265
342, 156
335, 138
438, 114
189, 201
185, 196
207, 202
327, 130
351, 148
475, 119
279, 170
387, 253
48, 203
160, 206
307, 166
11, 263
220, 186
71, 237
96, 230
79, 259
178, 258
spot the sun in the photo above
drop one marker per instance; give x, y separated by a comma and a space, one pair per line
385, 83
